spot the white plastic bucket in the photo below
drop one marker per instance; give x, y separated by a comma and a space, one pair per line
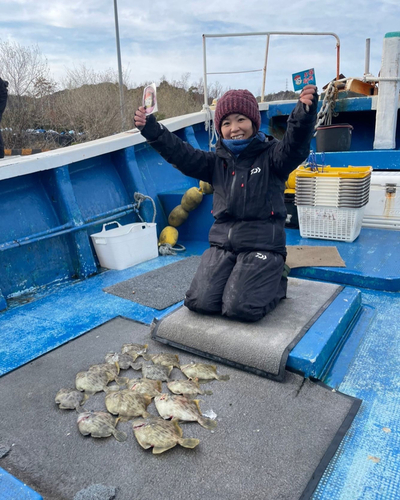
126, 246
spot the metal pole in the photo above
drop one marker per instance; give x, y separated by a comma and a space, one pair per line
121, 88
265, 70
205, 72
367, 55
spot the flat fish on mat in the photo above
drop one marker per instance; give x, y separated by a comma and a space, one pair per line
165, 359
99, 424
70, 399
127, 404
159, 434
91, 381
202, 371
182, 408
186, 387
135, 350
154, 372
147, 386
123, 359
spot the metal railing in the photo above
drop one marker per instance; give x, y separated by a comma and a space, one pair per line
268, 34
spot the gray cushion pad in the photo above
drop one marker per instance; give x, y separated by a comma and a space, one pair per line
260, 347
160, 288
269, 441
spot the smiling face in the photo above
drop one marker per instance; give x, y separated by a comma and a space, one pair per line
236, 126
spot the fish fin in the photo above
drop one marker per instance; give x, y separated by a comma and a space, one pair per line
158, 449
85, 398
178, 428
137, 366
207, 423
159, 385
189, 442
122, 380
207, 393
120, 436
146, 357
147, 399
223, 377
146, 414
80, 410
169, 370
197, 401
111, 388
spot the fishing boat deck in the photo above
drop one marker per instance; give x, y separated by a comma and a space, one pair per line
365, 465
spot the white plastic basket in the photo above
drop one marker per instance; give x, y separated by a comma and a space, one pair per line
330, 223
126, 246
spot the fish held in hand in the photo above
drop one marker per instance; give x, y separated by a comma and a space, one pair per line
150, 387
161, 435
186, 387
127, 404
99, 424
70, 399
182, 408
202, 371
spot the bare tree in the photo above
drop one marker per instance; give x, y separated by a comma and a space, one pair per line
27, 72
22, 67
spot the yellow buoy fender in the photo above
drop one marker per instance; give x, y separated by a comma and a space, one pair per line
168, 235
191, 199
291, 182
177, 216
206, 188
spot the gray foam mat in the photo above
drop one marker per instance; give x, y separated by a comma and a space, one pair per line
273, 440
260, 347
160, 288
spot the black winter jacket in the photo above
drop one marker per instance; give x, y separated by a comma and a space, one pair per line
248, 204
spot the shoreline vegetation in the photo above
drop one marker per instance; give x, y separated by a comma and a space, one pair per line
41, 116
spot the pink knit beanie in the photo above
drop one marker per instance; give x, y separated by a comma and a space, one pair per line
237, 101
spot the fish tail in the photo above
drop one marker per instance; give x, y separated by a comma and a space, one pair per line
189, 442
119, 435
223, 377
207, 423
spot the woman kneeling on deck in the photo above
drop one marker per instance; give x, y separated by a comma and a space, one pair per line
242, 274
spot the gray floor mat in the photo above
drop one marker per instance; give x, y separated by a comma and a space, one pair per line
260, 347
160, 288
270, 439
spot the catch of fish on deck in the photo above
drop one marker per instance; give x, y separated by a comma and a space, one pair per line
128, 399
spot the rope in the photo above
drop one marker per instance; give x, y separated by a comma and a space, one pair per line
210, 128
139, 198
167, 249
326, 112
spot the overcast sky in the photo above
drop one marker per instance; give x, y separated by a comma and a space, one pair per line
164, 38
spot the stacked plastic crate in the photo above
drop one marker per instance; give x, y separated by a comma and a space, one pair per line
331, 201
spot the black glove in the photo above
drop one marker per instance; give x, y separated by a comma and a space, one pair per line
152, 130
